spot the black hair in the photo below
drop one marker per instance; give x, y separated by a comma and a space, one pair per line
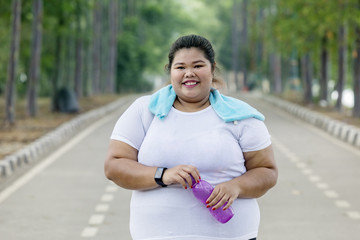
190, 41
199, 42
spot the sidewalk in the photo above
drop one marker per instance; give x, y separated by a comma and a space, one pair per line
48, 143
340, 130
51, 141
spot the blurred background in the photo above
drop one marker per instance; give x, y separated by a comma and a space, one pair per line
303, 49
62, 58
71, 56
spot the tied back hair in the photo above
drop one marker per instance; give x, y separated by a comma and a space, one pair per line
201, 43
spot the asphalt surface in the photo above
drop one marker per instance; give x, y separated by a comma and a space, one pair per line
66, 196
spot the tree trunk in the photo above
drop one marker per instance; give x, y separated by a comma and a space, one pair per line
324, 79
104, 45
356, 109
57, 60
78, 68
96, 66
113, 20
275, 69
235, 44
131, 7
78, 54
34, 71
13, 61
87, 56
68, 66
121, 16
258, 55
342, 66
244, 43
307, 77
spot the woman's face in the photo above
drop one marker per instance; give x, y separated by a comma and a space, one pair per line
191, 75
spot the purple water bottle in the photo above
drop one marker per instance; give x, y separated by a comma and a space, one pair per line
202, 192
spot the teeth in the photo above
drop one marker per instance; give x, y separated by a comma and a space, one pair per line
190, 83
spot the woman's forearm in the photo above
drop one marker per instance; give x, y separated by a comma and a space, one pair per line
130, 174
256, 182
253, 184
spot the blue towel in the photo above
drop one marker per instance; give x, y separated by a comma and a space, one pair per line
227, 108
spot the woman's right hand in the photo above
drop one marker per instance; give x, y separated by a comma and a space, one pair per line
181, 174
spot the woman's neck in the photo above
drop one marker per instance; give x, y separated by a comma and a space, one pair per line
184, 106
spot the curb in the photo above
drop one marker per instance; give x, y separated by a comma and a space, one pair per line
46, 144
340, 130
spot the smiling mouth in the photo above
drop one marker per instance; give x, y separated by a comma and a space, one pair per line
190, 83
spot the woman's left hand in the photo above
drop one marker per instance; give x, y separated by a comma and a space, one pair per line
223, 193
261, 175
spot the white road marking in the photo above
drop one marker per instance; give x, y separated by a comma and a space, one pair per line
96, 219
331, 194
353, 215
296, 192
301, 165
322, 185
89, 232
292, 157
342, 204
7, 192
102, 208
314, 178
307, 171
111, 188
294, 160
107, 198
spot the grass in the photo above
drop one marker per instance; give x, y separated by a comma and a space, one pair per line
27, 129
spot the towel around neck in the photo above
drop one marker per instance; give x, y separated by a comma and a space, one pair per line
227, 108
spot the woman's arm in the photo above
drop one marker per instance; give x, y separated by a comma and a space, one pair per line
261, 175
122, 167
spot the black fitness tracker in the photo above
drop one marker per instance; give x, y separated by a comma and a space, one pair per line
158, 176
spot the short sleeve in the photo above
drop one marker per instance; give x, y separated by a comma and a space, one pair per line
132, 125
254, 135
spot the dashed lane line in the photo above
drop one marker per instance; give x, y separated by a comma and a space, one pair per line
20, 182
314, 178
96, 219
101, 209
324, 187
331, 194
307, 171
111, 188
301, 165
107, 197
355, 215
89, 232
342, 204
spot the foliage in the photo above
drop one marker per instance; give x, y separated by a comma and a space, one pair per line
5, 23
288, 28
131, 65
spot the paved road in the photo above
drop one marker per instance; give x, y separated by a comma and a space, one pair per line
66, 196
317, 195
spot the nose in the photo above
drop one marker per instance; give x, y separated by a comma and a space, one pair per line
189, 73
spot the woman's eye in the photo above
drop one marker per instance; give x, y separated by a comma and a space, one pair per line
180, 67
198, 66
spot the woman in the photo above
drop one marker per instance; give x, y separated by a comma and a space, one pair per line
185, 130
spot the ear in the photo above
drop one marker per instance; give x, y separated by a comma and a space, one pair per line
213, 67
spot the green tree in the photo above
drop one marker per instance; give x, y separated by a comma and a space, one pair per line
34, 70
13, 62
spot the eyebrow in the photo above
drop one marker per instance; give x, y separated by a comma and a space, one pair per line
195, 62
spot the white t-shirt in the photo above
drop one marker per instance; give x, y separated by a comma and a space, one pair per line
200, 139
